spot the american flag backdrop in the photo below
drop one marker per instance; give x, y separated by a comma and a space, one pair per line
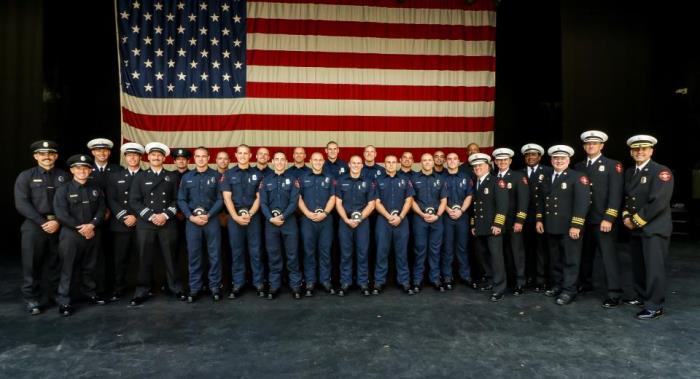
414, 75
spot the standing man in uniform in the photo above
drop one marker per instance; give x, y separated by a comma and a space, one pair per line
460, 190
518, 202
439, 159
153, 197
299, 168
354, 203
316, 202
607, 183
279, 195
239, 187
262, 160
370, 168
563, 204
34, 193
490, 207
430, 202
200, 201
80, 208
647, 214
123, 223
536, 250
181, 158
406, 165
223, 161
394, 199
101, 149
333, 165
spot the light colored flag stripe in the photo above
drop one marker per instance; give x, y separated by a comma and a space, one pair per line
307, 106
287, 42
295, 138
366, 76
388, 15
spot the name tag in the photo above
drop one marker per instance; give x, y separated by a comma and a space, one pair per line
38, 180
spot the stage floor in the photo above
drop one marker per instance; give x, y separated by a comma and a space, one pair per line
453, 334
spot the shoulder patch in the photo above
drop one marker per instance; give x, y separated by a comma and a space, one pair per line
501, 183
618, 168
296, 183
584, 180
665, 176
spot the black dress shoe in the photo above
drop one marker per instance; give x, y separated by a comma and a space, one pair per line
448, 285
329, 289
496, 297
438, 287
296, 294
539, 288
181, 296
365, 291
648, 314
343, 290
260, 291
65, 310
518, 291
416, 289
636, 301
215, 296
564, 299
136, 301
378, 288
33, 308
191, 298
272, 294
309, 292
235, 293
96, 300
116, 296
611, 302
470, 283
555, 291
485, 287
408, 290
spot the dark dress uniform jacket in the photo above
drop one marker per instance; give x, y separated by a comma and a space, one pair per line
78, 204
647, 198
151, 194
490, 205
564, 204
518, 197
102, 178
535, 181
118, 199
34, 192
606, 188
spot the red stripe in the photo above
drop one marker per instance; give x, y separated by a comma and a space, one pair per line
370, 29
419, 4
368, 92
306, 123
368, 60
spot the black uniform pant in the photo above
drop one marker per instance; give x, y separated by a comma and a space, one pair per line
648, 268
148, 241
104, 268
536, 254
490, 250
514, 251
39, 249
124, 245
565, 260
594, 240
78, 258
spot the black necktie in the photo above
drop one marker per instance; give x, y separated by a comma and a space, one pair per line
478, 184
102, 169
589, 163
556, 176
636, 170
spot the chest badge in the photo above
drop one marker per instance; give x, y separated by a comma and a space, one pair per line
601, 168
643, 179
486, 191
563, 186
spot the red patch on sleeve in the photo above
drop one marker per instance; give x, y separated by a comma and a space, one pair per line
584, 180
471, 183
525, 180
501, 183
618, 168
665, 176
296, 183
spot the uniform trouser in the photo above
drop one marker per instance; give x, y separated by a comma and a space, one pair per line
386, 234
565, 259
490, 249
515, 250
317, 240
648, 268
536, 252
283, 238
124, 244
354, 242
240, 237
104, 268
455, 242
208, 235
38, 249
427, 240
594, 240
77, 254
148, 241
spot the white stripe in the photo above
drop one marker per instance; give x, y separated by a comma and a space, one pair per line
120, 214
285, 74
385, 15
273, 138
308, 107
145, 210
287, 42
